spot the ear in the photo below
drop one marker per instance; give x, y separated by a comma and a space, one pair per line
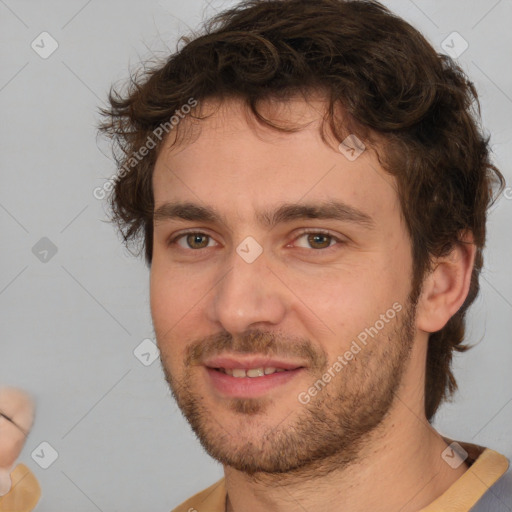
446, 287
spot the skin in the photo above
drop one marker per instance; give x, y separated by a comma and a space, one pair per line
306, 302
19, 407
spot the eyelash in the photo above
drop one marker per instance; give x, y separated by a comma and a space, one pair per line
173, 241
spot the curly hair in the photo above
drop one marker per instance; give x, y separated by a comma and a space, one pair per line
391, 85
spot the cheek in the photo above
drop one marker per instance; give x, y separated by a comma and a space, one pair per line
345, 301
172, 307
341, 296
177, 291
165, 296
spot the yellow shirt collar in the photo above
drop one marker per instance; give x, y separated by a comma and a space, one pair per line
486, 467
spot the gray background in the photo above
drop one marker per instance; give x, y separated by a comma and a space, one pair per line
70, 324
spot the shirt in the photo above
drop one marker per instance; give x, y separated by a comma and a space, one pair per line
25, 491
485, 487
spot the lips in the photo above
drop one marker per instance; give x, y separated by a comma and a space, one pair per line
251, 363
249, 376
251, 372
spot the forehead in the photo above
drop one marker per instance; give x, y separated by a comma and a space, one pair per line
241, 166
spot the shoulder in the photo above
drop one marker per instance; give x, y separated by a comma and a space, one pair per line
498, 498
212, 499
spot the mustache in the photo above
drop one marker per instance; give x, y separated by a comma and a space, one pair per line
258, 342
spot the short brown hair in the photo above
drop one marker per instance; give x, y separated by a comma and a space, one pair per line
390, 83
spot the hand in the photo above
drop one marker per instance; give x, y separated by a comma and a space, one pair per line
16, 418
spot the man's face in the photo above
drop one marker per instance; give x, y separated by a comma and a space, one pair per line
329, 305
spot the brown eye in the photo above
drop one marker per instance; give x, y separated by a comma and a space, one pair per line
318, 240
192, 240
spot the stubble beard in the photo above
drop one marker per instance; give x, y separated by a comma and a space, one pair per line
316, 438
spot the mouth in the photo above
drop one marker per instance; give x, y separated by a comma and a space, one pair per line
250, 372
250, 377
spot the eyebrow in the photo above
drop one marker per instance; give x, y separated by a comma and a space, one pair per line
285, 213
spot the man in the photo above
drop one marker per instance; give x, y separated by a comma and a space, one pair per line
311, 187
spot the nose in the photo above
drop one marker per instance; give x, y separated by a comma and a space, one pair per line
249, 295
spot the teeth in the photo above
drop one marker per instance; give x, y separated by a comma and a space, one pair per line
255, 372
252, 373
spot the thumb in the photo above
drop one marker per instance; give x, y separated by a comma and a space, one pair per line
5, 481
